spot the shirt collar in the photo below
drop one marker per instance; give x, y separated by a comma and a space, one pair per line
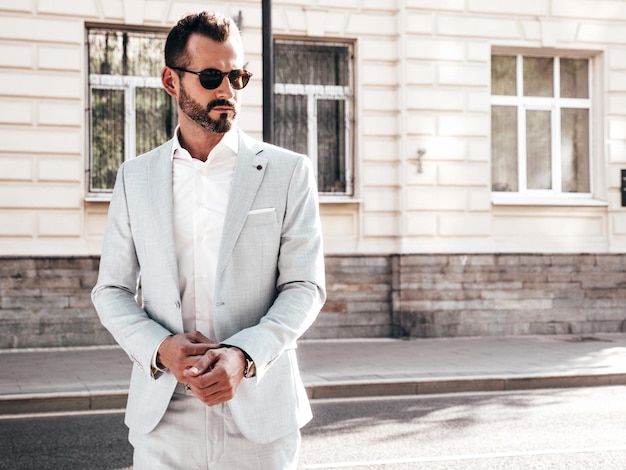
230, 141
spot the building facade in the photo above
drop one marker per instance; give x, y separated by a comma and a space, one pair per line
469, 155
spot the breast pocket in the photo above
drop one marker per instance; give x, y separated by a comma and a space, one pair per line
258, 217
257, 249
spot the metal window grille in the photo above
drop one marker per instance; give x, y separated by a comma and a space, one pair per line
313, 102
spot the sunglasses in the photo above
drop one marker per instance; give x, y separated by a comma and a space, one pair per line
212, 78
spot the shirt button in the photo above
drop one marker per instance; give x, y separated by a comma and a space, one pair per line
177, 304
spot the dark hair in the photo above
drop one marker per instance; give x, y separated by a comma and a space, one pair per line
210, 24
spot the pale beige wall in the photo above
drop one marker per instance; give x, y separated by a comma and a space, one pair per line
43, 157
422, 81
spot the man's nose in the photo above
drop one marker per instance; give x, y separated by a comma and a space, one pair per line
225, 90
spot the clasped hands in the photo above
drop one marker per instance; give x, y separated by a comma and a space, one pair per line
211, 371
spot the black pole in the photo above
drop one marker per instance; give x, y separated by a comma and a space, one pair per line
268, 72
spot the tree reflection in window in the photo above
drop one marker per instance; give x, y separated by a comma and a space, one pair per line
540, 129
130, 113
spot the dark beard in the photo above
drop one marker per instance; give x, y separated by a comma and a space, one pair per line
200, 115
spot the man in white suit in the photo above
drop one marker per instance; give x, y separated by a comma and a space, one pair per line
211, 269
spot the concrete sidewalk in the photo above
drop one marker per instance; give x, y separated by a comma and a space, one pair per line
95, 378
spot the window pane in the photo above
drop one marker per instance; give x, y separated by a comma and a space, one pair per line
538, 76
155, 118
331, 146
107, 137
503, 75
310, 118
574, 78
311, 64
125, 53
504, 148
575, 150
290, 122
538, 149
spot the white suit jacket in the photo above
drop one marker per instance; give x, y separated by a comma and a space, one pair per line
269, 281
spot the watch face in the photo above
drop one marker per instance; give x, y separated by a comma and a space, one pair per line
250, 369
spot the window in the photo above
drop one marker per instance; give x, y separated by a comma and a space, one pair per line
129, 112
313, 108
540, 125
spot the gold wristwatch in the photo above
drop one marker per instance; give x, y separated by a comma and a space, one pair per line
249, 370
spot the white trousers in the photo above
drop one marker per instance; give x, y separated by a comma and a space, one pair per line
193, 436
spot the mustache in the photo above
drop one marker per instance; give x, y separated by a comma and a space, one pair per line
220, 103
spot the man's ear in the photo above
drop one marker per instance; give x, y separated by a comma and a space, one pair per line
169, 79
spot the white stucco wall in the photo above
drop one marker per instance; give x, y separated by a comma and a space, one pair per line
422, 82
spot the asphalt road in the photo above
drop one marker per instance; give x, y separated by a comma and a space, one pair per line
545, 429
64, 442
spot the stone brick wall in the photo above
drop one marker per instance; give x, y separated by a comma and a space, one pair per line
359, 298
473, 295
45, 302
505, 294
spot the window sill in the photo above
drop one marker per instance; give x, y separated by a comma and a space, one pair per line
509, 199
339, 200
104, 197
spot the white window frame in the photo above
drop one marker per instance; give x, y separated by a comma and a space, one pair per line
553, 104
129, 85
314, 93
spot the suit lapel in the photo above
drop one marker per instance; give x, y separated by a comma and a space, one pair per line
249, 170
161, 206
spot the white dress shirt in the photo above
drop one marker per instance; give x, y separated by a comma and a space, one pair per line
200, 193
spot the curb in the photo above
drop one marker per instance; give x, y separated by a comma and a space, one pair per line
62, 402
473, 384
21, 404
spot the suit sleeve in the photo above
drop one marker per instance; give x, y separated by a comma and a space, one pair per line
115, 293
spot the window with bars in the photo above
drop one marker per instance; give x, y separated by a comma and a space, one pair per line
540, 125
129, 112
313, 108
